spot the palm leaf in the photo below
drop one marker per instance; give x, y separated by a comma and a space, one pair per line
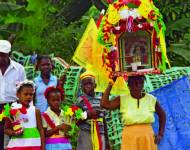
179, 24
8, 7
182, 50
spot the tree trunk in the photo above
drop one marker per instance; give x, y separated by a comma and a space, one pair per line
75, 10
99, 5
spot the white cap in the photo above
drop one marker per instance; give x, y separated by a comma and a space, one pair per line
5, 46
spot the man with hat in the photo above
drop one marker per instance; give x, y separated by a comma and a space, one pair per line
11, 73
93, 132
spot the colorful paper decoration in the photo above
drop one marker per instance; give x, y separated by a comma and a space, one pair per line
130, 16
99, 48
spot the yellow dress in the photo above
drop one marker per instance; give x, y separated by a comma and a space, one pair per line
138, 133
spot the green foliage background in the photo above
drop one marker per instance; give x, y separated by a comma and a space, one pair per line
40, 25
38, 28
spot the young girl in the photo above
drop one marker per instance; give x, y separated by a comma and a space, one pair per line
43, 80
54, 122
26, 127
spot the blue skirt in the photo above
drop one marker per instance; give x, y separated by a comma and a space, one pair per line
60, 143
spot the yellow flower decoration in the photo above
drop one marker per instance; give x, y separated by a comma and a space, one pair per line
112, 39
123, 7
145, 8
107, 61
69, 112
113, 15
2, 116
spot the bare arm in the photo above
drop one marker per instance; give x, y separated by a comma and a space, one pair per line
61, 81
53, 131
105, 99
40, 128
8, 129
162, 121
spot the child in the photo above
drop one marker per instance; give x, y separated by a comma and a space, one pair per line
44, 80
54, 121
28, 132
91, 104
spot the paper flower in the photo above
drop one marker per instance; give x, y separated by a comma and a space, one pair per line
124, 13
5, 113
69, 112
76, 114
17, 108
73, 111
73, 129
65, 108
7, 109
113, 15
16, 105
2, 116
74, 108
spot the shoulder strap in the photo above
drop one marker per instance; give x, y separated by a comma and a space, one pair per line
87, 103
48, 120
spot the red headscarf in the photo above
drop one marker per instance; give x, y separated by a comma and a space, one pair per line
54, 89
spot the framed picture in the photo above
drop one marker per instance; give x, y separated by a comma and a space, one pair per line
135, 51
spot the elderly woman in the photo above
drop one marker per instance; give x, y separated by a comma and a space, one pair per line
137, 110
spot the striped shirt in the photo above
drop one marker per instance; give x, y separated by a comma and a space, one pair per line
95, 103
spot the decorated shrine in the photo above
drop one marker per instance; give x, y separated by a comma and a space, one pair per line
128, 39
133, 35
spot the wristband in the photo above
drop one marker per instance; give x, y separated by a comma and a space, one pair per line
84, 115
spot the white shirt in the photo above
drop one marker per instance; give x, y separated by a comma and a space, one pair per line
13, 75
